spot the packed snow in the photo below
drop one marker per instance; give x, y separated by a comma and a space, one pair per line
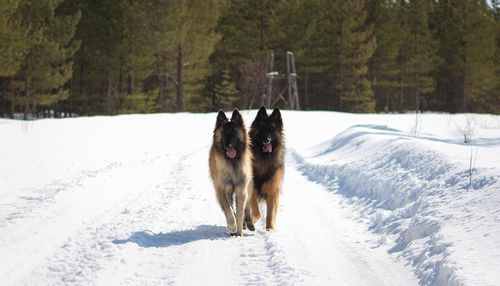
368, 199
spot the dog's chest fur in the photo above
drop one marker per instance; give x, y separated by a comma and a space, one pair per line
233, 172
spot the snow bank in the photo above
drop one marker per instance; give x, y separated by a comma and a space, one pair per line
417, 192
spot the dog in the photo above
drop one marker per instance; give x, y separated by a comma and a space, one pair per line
230, 163
268, 149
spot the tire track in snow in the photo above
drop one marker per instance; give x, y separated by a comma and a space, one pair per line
159, 236
33, 201
91, 249
169, 230
72, 215
263, 262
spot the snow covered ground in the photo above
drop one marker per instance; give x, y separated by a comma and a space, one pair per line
128, 200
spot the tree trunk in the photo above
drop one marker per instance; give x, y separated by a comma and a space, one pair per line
131, 80
464, 59
306, 94
81, 77
180, 79
3, 105
109, 99
120, 79
69, 109
160, 83
27, 94
401, 85
341, 68
165, 85
55, 110
341, 84
417, 94
416, 70
11, 97
387, 98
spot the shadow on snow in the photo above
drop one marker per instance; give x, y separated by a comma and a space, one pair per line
149, 239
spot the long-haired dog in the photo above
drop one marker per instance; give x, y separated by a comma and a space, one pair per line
230, 164
268, 149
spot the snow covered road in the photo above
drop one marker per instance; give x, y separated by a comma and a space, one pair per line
128, 200
157, 222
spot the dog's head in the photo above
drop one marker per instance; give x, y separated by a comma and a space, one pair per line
230, 135
267, 131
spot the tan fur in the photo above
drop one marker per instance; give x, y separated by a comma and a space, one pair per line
232, 177
270, 194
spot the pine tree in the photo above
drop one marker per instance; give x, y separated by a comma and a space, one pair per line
225, 92
422, 51
246, 36
194, 38
138, 56
293, 29
13, 46
401, 10
12, 38
98, 77
352, 44
383, 68
315, 57
494, 98
468, 47
165, 21
47, 65
246, 30
478, 47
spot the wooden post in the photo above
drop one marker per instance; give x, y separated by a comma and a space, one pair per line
270, 76
288, 76
294, 78
264, 80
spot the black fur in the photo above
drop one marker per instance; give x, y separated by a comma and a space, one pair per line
268, 128
268, 149
231, 137
263, 129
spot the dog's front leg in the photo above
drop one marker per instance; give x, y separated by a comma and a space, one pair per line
225, 199
272, 202
254, 206
241, 201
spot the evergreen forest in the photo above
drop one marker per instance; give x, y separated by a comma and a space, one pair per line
63, 58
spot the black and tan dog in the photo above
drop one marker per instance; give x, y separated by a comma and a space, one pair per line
230, 164
267, 141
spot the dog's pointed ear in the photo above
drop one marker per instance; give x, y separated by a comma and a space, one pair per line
221, 119
261, 115
262, 112
236, 117
276, 117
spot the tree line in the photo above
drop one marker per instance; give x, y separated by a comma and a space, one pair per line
86, 57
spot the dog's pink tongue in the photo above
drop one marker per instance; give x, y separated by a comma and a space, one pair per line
231, 153
269, 147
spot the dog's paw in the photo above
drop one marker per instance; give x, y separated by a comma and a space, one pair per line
236, 234
232, 228
248, 226
251, 227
